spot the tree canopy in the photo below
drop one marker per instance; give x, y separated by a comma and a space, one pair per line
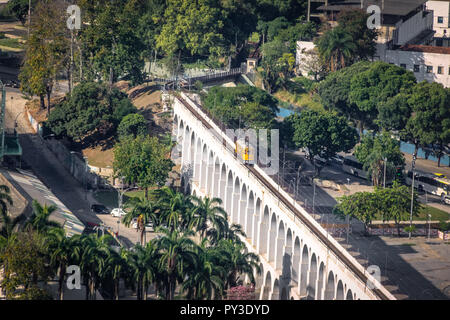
244, 105
90, 108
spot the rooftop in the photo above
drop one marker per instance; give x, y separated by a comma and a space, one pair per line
388, 7
429, 49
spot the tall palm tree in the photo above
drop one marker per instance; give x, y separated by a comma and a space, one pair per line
7, 224
176, 255
204, 279
60, 250
337, 48
208, 212
115, 268
145, 211
236, 260
40, 218
176, 209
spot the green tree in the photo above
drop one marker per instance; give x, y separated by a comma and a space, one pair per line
60, 250
396, 203
176, 209
373, 150
337, 48
363, 206
19, 9
143, 160
355, 23
374, 86
243, 105
321, 134
208, 212
132, 125
40, 219
91, 112
430, 120
110, 36
145, 211
177, 256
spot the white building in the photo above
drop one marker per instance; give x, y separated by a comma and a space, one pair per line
426, 62
441, 20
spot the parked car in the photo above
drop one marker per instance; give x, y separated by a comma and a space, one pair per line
117, 212
99, 209
446, 199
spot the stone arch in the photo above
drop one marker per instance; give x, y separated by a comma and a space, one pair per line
281, 236
272, 237
267, 286
255, 223
198, 160
228, 193
216, 178
236, 200
312, 277
223, 183
349, 295
186, 146
264, 228
192, 149
329, 288
304, 271
209, 174
259, 279
320, 281
284, 295
204, 166
340, 291
296, 262
243, 206
276, 290
249, 215
286, 269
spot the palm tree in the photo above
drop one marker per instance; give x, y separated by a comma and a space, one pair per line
7, 224
336, 46
60, 250
208, 212
176, 209
90, 253
115, 268
204, 280
176, 255
236, 260
233, 233
145, 211
40, 218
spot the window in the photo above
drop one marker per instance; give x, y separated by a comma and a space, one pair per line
403, 65
416, 68
440, 70
440, 19
429, 69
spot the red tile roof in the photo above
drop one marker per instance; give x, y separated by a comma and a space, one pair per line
429, 49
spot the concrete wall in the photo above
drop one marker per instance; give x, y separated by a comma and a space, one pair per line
409, 29
423, 59
440, 9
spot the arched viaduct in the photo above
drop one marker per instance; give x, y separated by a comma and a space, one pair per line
299, 259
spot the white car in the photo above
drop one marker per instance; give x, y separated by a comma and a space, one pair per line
117, 212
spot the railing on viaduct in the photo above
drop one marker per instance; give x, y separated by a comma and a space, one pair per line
267, 232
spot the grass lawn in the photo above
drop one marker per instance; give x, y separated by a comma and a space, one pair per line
110, 199
11, 43
436, 214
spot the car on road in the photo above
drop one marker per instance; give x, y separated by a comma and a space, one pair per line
118, 212
99, 209
148, 226
446, 199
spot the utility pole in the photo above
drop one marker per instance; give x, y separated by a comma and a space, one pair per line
412, 192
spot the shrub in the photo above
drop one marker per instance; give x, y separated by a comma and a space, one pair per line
132, 125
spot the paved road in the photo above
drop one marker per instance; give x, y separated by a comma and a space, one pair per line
54, 175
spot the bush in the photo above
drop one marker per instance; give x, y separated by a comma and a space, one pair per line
198, 85
444, 226
132, 125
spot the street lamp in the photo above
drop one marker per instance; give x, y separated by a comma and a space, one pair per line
348, 218
412, 194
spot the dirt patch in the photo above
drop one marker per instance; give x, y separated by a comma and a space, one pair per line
99, 157
39, 114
